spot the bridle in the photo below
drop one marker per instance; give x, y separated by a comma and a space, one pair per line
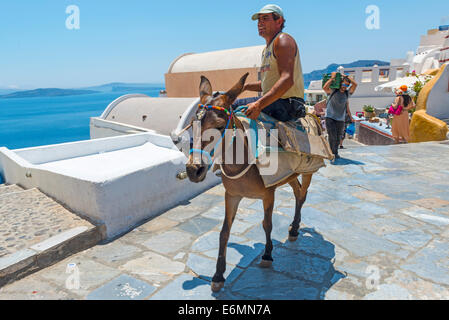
209, 155
230, 115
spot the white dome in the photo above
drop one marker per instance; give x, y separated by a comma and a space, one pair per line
248, 57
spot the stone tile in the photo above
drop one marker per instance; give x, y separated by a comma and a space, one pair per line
211, 240
418, 288
205, 268
91, 274
370, 196
335, 295
114, 252
372, 209
312, 243
381, 226
394, 204
199, 225
413, 237
432, 203
321, 221
426, 215
363, 243
353, 266
32, 288
389, 292
431, 262
183, 212
251, 217
185, 287
217, 213
257, 206
239, 227
241, 255
206, 201
302, 266
169, 242
160, 223
266, 284
279, 231
122, 288
153, 268
246, 203
409, 196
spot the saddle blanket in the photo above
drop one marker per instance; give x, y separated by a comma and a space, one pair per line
299, 147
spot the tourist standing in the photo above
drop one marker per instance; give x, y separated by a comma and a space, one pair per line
400, 129
337, 107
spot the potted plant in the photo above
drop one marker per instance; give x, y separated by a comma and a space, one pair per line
368, 110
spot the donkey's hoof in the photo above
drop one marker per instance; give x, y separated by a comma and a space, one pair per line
265, 263
217, 286
292, 238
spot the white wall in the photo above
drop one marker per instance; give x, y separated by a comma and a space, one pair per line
118, 181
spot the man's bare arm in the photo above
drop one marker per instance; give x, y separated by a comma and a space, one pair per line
353, 86
284, 50
254, 86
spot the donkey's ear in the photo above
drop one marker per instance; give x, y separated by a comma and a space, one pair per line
205, 89
234, 92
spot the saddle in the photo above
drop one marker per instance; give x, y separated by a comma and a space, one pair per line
300, 146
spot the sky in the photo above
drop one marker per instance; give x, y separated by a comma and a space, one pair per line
136, 40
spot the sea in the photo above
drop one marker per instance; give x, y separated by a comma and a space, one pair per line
32, 122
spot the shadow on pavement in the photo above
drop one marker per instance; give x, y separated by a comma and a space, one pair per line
345, 162
302, 270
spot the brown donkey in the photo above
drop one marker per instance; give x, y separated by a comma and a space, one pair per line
240, 180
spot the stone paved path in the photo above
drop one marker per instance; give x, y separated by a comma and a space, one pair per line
29, 217
375, 226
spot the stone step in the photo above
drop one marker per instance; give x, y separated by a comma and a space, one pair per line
5, 189
36, 232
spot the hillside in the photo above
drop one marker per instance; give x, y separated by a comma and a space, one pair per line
50, 92
318, 74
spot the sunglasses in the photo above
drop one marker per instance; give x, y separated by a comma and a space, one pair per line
346, 85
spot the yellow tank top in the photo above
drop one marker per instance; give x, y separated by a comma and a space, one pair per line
269, 73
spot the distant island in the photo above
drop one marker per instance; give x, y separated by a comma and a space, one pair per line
318, 74
50, 92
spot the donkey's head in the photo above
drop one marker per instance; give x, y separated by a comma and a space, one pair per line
214, 113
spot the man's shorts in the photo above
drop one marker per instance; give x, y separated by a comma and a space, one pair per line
282, 109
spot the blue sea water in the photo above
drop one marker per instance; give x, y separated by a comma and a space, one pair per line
31, 122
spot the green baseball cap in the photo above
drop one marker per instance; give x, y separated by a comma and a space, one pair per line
269, 8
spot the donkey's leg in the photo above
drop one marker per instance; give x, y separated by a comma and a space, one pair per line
300, 192
231, 204
268, 204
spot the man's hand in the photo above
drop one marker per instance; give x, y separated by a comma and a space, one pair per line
253, 110
333, 75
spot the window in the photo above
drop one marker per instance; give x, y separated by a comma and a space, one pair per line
399, 73
384, 75
366, 75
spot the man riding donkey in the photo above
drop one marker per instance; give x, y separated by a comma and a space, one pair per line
283, 89
282, 83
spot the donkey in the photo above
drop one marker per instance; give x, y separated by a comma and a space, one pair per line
239, 180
